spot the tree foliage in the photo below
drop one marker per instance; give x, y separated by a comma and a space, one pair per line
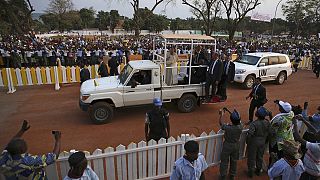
206, 10
87, 17
302, 16
236, 11
15, 16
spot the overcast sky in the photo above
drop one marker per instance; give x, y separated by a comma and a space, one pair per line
171, 11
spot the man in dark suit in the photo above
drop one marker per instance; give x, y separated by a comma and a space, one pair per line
258, 97
103, 69
213, 76
227, 76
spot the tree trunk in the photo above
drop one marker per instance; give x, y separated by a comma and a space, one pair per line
136, 31
231, 34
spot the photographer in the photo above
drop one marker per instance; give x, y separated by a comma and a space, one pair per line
230, 148
16, 163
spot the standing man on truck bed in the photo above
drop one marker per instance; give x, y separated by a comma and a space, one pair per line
213, 77
157, 124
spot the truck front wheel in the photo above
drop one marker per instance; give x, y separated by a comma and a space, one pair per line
101, 112
187, 103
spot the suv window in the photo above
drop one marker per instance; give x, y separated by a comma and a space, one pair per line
282, 60
273, 60
265, 60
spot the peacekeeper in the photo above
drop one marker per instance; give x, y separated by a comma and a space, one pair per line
230, 149
257, 140
191, 166
157, 124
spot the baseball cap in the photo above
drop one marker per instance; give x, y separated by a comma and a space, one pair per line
263, 112
285, 106
157, 102
235, 117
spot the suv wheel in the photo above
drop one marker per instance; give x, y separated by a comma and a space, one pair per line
248, 82
187, 103
281, 78
101, 112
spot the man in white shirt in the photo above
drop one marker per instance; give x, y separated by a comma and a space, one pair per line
191, 166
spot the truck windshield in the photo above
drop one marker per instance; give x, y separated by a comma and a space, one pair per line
247, 59
125, 73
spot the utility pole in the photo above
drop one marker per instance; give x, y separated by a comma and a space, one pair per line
274, 18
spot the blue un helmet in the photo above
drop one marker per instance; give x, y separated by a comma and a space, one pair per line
235, 117
157, 102
262, 112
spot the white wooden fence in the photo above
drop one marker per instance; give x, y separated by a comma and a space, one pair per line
144, 160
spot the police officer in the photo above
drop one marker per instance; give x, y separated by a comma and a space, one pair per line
316, 68
157, 124
258, 98
191, 166
257, 138
230, 149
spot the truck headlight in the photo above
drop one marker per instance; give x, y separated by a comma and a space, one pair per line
84, 97
240, 71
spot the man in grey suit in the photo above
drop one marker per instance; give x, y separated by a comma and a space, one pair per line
213, 76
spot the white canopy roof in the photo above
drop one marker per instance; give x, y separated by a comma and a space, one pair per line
187, 36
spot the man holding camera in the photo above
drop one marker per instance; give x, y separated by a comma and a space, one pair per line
16, 163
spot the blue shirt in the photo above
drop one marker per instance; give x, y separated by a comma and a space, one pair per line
25, 165
184, 170
285, 170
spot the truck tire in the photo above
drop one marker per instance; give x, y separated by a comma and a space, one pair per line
101, 112
187, 103
248, 82
281, 78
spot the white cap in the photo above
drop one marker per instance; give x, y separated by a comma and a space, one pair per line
285, 106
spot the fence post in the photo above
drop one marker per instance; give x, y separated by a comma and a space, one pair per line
56, 76
11, 88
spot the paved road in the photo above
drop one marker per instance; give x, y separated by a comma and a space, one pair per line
48, 110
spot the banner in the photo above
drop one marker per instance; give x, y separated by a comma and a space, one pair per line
261, 17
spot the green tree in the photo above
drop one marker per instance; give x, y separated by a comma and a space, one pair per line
103, 20
60, 8
15, 16
156, 23
128, 24
114, 19
205, 10
87, 17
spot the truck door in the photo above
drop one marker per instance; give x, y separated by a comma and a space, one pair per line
139, 90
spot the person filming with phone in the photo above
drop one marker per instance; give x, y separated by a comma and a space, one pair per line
16, 163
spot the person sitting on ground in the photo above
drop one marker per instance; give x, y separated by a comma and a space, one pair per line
312, 156
231, 145
290, 167
192, 165
16, 163
79, 169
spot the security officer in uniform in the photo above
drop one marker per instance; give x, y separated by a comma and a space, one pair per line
227, 76
257, 139
258, 98
231, 145
157, 124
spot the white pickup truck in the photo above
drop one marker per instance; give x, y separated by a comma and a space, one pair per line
142, 81
138, 83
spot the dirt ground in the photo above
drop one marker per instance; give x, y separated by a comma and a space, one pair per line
48, 110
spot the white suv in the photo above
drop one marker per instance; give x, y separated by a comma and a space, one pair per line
266, 65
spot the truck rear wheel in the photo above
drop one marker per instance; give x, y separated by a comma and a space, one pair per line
248, 82
281, 78
101, 112
187, 103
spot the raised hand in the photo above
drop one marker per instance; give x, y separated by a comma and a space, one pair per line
25, 126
